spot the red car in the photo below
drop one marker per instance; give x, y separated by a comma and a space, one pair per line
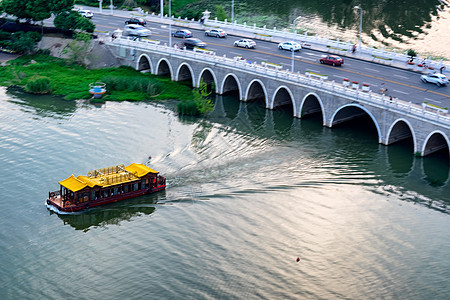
332, 60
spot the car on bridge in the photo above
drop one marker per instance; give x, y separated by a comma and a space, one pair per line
218, 33
138, 21
182, 33
291, 46
332, 60
192, 43
438, 79
245, 43
136, 30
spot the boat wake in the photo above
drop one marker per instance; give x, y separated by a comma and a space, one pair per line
55, 210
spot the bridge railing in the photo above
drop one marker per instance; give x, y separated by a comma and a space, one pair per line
296, 78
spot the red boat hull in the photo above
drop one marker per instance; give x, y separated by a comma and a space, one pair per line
102, 201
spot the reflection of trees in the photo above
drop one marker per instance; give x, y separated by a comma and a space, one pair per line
114, 213
391, 17
435, 169
44, 105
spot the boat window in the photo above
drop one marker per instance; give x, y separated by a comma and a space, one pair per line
144, 183
125, 189
116, 191
135, 186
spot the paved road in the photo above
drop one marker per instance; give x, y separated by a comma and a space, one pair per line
401, 83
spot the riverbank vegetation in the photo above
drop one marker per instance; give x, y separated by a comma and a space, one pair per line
41, 73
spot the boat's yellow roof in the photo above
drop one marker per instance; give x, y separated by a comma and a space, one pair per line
107, 176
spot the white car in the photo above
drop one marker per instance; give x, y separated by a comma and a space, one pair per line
245, 43
438, 79
136, 30
86, 13
291, 46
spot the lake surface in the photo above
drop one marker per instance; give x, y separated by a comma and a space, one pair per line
249, 191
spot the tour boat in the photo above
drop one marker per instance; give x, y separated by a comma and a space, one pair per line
104, 186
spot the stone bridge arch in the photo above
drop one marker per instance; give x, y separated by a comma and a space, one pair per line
399, 130
353, 111
282, 97
209, 77
144, 64
435, 141
164, 67
255, 90
185, 73
310, 104
231, 83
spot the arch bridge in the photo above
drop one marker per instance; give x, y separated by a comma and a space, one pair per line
394, 120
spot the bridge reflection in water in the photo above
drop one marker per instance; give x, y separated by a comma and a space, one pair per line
392, 163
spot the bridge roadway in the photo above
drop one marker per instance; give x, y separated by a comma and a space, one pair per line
401, 83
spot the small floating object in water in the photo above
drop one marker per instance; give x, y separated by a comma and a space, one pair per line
97, 89
298, 259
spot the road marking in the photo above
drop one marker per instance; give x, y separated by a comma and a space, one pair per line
404, 77
235, 53
437, 101
370, 69
311, 54
339, 76
310, 58
401, 92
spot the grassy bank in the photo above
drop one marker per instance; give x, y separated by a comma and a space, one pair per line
41, 73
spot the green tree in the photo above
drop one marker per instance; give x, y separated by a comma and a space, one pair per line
35, 10
220, 13
24, 41
78, 48
199, 104
73, 20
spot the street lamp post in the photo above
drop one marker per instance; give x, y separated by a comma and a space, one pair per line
111, 7
360, 23
232, 11
170, 23
161, 6
293, 32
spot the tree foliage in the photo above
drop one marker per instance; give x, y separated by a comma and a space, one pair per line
22, 42
220, 13
35, 10
72, 20
78, 48
199, 104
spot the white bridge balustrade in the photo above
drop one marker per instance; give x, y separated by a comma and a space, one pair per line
393, 118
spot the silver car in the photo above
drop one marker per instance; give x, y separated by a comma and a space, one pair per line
136, 30
438, 79
218, 33
246, 43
